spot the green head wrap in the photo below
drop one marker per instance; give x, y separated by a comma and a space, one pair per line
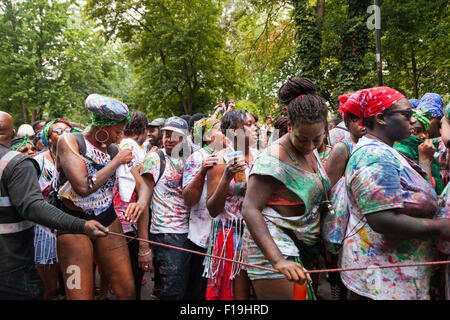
20, 142
447, 111
45, 129
423, 116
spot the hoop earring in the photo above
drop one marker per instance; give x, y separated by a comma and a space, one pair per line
101, 141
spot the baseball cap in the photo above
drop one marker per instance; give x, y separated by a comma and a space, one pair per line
158, 122
176, 124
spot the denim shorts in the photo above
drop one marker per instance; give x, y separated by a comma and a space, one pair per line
173, 265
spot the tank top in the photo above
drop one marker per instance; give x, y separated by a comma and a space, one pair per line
100, 200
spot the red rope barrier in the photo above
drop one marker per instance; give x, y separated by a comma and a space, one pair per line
399, 265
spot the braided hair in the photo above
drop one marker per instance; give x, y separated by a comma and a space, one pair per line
282, 125
302, 101
137, 124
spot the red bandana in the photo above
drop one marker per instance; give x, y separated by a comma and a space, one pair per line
369, 102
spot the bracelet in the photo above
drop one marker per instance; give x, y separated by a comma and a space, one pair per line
144, 254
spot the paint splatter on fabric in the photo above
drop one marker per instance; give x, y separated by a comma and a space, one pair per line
378, 178
169, 212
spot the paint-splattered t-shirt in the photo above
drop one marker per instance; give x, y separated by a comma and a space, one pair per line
378, 178
199, 219
169, 212
339, 133
444, 246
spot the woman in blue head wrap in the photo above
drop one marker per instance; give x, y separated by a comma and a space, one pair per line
414, 103
88, 162
433, 103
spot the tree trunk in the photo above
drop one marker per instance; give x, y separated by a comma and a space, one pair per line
414, 70
25, 112
320, 10
33, 115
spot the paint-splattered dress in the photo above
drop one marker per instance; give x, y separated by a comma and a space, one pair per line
378, 178
307, 186
226, 240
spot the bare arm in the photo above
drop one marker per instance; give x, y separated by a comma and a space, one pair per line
259, 190
217, 188
336, 163
135, 209
401, 226
143, 226
75, 169
218, 182
193, 191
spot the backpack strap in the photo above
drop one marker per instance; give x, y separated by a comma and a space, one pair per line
81, 143
10, 155
162, 164
113, 150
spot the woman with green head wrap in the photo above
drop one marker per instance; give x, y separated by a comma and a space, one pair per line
24, 145
421, 150
45, 255
88, 163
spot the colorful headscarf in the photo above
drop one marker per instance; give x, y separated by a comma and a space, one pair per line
106, 112
202, 127
369, 102
432, 102
423, 116
46, 128
414, 103
20, 142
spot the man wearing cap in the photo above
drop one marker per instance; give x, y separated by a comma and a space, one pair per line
170, 215
21, 204
154, 134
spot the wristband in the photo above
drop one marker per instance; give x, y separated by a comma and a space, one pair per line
144, 254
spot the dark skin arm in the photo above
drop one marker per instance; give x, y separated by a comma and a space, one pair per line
259, 190
145, 263
336, 163
219, 178
193, 191
135, 209
401, 227
426, 207
75, 169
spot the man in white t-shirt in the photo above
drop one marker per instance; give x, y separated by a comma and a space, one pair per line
170, 215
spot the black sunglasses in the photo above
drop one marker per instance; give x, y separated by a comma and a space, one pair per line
25, 149
407, 113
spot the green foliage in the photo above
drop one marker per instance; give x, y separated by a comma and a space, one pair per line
177, 48
50, 60
415, 46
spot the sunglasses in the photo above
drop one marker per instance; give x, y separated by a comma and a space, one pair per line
25, 149
61, 131
407, 113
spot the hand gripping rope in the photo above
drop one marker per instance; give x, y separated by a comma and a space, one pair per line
398, 265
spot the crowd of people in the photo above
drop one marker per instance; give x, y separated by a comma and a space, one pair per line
278, 198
